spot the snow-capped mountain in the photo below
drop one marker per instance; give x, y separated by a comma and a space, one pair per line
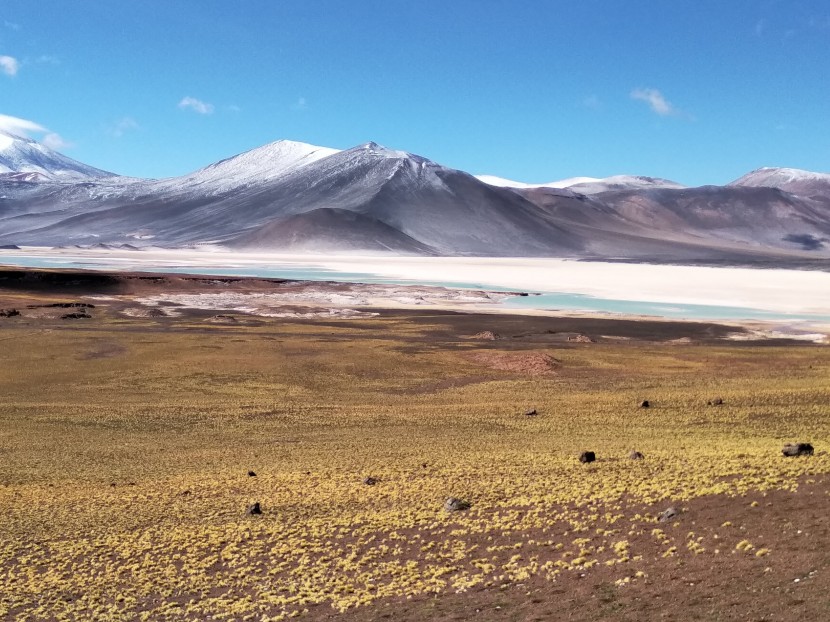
588, 185
290, 196
509, 183
257, 166
447, 210
793, 180
29, 160
624, 182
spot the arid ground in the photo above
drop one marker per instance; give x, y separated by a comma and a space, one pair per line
136, 431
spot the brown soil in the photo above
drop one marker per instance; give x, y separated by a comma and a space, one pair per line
532, 363
791, 583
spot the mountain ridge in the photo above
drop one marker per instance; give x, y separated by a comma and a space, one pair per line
289, 195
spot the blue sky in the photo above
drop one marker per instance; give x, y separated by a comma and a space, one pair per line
695, 91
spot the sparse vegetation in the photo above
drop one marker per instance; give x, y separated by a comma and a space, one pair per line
126, 446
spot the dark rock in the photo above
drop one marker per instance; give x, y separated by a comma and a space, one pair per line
424, 465
254, 509
668, 514
9, 312
454, 504
370, 481
185, 493
636, 455
715, 402
587, 456
223, 319
644, 404
531, 413
78, 315
797, 449
251, 474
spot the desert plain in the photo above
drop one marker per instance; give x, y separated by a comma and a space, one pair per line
139, 429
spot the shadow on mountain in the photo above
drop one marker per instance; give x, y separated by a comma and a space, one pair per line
332, 230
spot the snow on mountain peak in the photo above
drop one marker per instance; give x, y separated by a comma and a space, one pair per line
6, 140
586, 185
260, 164
779, 177
379, 150
19, 154
492, 180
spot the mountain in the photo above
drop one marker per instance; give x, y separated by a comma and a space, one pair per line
507, 183
448, 210
291, 196
753, 219
792, 180
623, 182
23, 159
588, 185
241, 202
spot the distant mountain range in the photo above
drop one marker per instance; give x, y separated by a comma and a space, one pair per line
293, 197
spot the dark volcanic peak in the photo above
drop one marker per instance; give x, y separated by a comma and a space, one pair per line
19, 154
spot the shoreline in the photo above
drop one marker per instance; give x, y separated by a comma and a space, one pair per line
282, 297
777, 290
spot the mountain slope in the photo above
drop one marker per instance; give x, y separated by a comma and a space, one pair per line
752, 218
329, 229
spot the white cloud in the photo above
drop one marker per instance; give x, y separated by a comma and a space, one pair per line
24, 127
11, 25
55, 141
196, 105
122, 126
655, 100
9, 65
592, 102
760, 27
300, 104
21, 127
